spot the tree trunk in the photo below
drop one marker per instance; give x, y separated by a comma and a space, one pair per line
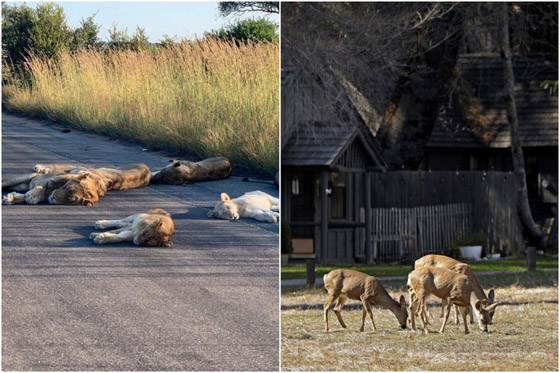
532, 231
414, 105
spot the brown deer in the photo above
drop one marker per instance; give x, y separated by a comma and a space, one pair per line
342, 284
454, 288
446, 262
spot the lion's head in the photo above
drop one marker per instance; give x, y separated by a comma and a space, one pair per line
172, 174
81, 190
225, 209
155, 234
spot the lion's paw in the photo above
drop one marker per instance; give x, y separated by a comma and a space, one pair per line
42, 169
12, 198
33, 199
93, 235
99, 224
99, 238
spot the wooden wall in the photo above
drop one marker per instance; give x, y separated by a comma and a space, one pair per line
490, 195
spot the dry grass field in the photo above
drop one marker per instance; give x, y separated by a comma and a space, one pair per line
524, 336
204, 98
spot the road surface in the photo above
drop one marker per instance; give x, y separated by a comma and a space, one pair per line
210, 302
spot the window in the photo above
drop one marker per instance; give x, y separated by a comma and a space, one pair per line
337, 185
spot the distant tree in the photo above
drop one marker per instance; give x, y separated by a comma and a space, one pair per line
167, 40
119, 39
255, 30
139, 40
50, 34
17, 23
227, 8
87, 35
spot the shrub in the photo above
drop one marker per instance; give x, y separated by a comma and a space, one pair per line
255, 30
286, 239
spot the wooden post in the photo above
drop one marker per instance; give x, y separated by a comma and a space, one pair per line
324, 216
369, 222
310, 271
531, 258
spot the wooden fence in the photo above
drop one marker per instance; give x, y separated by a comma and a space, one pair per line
424, 211
403, 234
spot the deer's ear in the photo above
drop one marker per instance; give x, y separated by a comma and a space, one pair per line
402, 301
478, 305
491, 296
224, 197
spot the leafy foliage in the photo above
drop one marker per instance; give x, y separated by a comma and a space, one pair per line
254, 30
286, 240
227, 8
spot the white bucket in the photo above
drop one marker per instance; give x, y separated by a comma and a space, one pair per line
471, 252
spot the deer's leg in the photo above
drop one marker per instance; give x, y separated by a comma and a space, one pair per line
337, 309
470, 311
326, 307
446, 316
412, 309
456, 314
422, 306
464, 311
367, 307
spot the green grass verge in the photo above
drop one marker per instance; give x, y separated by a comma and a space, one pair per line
297, 271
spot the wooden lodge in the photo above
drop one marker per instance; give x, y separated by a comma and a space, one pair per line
326, 186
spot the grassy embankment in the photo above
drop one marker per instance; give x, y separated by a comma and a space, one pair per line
294, 271
199, 99
524, 335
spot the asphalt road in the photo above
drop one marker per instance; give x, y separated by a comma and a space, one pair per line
208, 303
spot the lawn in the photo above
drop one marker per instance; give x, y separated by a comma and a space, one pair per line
524, 335
297, 271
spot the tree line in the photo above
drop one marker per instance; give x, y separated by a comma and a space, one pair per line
43, 31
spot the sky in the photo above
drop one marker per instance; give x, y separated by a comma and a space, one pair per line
175, 18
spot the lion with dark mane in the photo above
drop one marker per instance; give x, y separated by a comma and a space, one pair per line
72, 185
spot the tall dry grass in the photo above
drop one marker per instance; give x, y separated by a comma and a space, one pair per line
203, 98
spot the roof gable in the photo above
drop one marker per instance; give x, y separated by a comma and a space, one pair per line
320, 144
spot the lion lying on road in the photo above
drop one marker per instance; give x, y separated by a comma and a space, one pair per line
72, 185
150, 228
182, 172
254, 205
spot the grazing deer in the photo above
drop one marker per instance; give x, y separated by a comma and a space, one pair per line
341, 284
446, 262
454, 288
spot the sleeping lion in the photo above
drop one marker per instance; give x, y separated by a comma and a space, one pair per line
72, 185
150, 228
183, 172
254, 205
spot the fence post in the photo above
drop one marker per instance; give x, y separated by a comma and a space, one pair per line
369, 221
531, 258
310, 271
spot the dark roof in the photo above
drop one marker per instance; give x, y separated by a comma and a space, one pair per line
321, 144
481, 76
